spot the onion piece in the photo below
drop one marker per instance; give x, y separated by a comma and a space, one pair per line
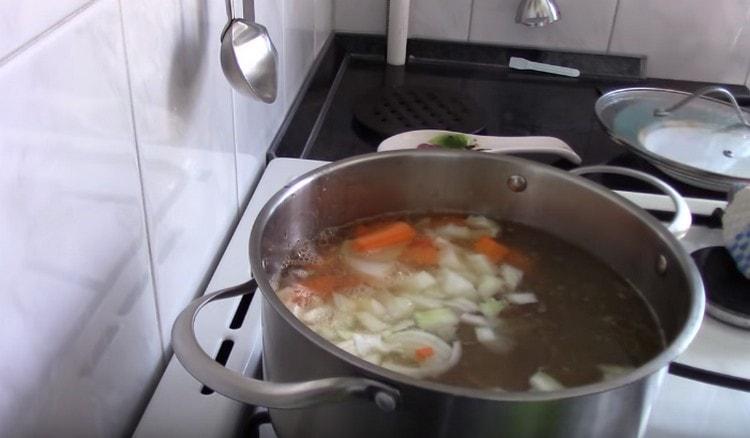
521, 298
343, 303
455, 284
422, 302
366, 344
482, 223
398, 307
378, 270
462, 305
453, 231
490, 285
407, 342
370, 322
511, 275
474, 319
493, 341
541, 381
317, 314
419, 281
435, 319
611, 371
480, 264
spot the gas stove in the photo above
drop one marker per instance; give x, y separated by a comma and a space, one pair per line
230, 330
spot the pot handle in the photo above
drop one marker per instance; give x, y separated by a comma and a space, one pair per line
700, 93
682, 218
258, 392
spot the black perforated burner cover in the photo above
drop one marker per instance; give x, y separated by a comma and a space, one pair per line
727, 290
392, 110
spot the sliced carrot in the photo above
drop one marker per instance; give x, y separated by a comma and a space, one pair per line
424, 353
519, 260
325, 285
370, 227
421, 252
491, 248
391, 235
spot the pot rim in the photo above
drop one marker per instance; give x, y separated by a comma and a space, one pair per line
654, 365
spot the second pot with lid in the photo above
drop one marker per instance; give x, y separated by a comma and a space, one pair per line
696, 139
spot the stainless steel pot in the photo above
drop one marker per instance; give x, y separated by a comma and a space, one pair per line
314, 389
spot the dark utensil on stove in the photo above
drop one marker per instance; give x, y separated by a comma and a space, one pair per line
393, 110
306, 374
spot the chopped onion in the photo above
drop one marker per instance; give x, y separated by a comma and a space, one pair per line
511, 275
541, 381
419, 281
462, 305
370, 322
343, 304
474, 319
490, 285
366, 344
492, 307
435, 319
483, 223
348, 346
399, 326
317, 314
422, 302
453, 231
521, 298
398, 306
455, 284
448, 256
407, 342
610, 371
493, 341
379, 270
376, 308
480, 264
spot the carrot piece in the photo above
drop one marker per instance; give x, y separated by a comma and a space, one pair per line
393, 234
420, 252
519, 260
424, 353
325, 285
363, 229
491, 248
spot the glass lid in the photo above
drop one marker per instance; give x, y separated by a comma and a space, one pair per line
700, 140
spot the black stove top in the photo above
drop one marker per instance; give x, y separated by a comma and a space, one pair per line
515, 103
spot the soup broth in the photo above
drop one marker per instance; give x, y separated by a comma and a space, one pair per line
471, 302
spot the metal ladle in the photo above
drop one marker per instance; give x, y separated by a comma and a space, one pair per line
248, 57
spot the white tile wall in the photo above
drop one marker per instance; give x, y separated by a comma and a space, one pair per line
687, 39
79, 340
183, 119
441, 19
360, 16
299, 41
22, 21
585, 25
124, 159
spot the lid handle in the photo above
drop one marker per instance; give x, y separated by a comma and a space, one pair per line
700, 93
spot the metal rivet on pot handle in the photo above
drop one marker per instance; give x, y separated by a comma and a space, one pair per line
682, 218
258, 392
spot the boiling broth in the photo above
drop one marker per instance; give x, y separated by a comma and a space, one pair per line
569, 321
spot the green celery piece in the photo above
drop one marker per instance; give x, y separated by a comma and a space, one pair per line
451, 141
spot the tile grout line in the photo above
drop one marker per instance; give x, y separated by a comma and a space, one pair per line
139, 166
235, 138
43, 34
471, 18
614, 22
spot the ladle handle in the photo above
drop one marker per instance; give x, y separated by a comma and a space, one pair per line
259, 392
700, 93
230, 10
682, 218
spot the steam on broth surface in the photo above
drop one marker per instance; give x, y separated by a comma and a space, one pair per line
471, 302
